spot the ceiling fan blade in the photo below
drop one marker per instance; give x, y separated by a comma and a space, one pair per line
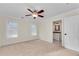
30, 10
40, 11
28, 15
40, 16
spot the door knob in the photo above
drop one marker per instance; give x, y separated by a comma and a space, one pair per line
65, 34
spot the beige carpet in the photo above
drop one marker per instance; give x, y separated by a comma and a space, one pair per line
36, 48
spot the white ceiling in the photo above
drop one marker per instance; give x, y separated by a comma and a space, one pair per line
20, 9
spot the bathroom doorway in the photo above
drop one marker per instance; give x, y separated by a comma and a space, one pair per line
57, 32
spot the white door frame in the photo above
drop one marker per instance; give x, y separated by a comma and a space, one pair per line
62, 32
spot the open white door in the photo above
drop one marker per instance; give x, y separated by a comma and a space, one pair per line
71, 33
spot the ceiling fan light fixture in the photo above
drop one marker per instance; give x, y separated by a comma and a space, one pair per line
35, 15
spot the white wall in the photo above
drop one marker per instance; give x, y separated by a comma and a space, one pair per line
24, 31
45, 30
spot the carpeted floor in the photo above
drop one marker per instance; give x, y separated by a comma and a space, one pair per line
36, 48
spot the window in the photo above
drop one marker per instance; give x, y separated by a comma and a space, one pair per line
12, 29
34, 30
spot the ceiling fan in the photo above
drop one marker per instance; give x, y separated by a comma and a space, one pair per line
35, 13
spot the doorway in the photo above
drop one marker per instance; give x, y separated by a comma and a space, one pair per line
57, 32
